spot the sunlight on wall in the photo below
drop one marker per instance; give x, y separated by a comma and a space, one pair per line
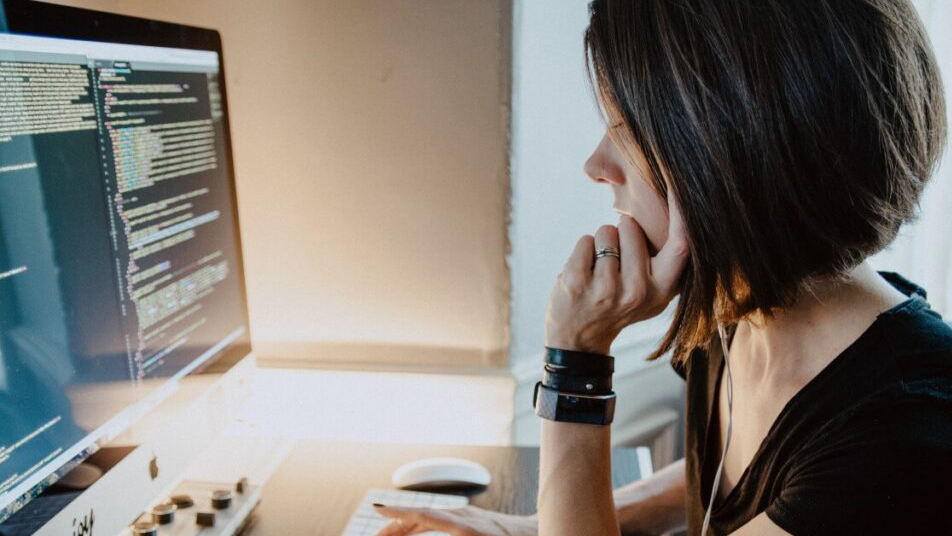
381, 407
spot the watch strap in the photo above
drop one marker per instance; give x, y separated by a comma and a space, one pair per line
588, 385
579, 363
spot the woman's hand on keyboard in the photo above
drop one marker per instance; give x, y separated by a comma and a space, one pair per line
466, 521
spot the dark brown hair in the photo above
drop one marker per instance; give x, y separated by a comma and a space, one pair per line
796, 135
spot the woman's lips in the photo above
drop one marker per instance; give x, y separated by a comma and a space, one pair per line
652, 250
623, 213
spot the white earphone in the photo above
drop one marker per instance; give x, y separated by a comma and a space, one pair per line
722, 333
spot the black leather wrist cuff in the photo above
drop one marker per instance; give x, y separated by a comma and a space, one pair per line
579, 363
588, 385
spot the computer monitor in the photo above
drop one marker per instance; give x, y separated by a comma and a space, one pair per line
120, 254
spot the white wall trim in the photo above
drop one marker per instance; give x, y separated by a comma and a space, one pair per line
644, 462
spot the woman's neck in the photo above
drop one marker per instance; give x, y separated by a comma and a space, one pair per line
796, 343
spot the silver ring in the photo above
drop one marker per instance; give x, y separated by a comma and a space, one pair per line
607, 252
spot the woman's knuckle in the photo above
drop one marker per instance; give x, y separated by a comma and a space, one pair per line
669, 293
679, 247
634, 295
607, 232
603, 295
573, 285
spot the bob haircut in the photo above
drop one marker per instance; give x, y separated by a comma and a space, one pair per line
796, 135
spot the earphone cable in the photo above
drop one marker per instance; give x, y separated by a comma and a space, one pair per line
722, 333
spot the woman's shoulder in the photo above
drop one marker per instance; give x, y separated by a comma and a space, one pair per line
918, 342
899, 384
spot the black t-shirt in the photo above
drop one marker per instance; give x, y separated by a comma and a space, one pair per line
864, 448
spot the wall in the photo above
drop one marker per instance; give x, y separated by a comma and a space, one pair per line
371, 154
555, 126
923, 251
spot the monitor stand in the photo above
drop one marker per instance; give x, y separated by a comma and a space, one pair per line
148, 460
60, 495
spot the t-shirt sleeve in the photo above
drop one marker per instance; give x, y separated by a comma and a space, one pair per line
884, 469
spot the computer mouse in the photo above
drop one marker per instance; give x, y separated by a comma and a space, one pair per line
431, 473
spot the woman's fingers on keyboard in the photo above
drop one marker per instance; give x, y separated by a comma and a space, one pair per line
397, 528
408, 521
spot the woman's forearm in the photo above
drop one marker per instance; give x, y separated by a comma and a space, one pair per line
575, 485
653, 505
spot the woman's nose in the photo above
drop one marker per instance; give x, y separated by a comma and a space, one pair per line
601, 167
592, 169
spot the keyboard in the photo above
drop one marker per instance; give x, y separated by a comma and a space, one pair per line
367, 522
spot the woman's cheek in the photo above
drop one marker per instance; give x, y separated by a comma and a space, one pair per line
653, 218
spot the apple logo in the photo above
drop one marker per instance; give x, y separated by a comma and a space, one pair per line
154, 468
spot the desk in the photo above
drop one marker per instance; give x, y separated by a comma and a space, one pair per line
319, 485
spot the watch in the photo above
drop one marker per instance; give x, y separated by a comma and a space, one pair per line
571, 407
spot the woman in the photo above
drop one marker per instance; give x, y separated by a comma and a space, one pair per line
759, 151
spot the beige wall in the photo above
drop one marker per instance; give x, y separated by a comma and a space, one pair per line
370, 143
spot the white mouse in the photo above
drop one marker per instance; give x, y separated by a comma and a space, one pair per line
440, 472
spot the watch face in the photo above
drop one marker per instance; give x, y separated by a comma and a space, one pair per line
546, 402
567, 407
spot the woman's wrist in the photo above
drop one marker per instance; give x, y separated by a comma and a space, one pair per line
579, 344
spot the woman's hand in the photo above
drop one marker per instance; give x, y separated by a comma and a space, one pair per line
593, 300
466, 521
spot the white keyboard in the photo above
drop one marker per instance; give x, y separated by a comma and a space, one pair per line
367, 522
